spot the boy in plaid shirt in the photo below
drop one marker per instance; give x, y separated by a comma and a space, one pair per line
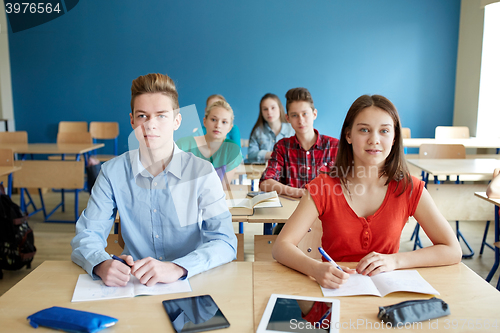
297, 160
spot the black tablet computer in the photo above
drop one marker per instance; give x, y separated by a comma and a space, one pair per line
195, 314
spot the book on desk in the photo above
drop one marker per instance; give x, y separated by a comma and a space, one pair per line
246, 206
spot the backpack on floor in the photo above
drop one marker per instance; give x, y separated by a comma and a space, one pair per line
17, 243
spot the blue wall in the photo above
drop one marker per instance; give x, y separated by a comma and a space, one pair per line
80, 65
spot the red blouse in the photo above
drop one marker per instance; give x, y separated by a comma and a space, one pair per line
348, 237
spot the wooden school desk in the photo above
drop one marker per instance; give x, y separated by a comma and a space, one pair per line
468, 143
9, 170
268, 216
444, 167
496, 202
471, 299
51, 148
53, 283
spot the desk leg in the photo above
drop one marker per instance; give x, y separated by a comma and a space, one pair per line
268, 228
9, 188
497, 250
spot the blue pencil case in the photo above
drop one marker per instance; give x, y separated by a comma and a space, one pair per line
70, 320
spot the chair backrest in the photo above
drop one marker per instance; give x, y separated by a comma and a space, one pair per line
6, 157
406, 132
452, 132
76, 137
72, 126
441, 151
244, 142
14, 137
104, 130
263, 244
49, 174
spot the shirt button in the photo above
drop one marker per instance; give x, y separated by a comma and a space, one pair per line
154, 210
308, 168
157, 236
366, 232
155, 184
161, 258
307, 153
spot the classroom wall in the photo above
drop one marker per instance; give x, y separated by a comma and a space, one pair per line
6, 104
80, 65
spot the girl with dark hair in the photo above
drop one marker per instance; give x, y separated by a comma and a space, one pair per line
364, 201
271, 126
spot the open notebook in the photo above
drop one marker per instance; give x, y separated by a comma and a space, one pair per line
383, 284
88, 289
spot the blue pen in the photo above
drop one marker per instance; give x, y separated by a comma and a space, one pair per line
327, 257
119, 259
318, 324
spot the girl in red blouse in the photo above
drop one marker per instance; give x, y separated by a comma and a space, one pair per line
364, 202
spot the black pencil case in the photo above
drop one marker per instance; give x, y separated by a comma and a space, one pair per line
413, 311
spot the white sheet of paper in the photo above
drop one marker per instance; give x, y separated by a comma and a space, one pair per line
357, 284
88, 289
383, 284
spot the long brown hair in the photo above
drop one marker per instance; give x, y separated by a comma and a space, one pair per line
260, 120
395, 167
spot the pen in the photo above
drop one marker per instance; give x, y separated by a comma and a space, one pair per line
119, 259
327, 313
327, 257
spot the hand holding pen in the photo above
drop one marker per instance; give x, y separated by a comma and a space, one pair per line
328, 277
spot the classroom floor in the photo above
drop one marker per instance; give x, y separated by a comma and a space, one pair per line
53, 240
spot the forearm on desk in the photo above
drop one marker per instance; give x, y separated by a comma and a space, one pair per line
269, 185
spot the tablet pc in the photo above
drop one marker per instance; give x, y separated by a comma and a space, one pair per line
195, 314
290, 313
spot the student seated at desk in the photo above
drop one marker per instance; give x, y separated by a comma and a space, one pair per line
214, 147
493, 190
271, 126
364, 202
234, 133
297, 160
174, 219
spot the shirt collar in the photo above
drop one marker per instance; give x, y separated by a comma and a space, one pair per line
317, 144
174, 167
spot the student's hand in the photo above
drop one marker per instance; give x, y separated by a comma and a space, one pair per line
150, 271
329, 276
374, 263
268, 155
113, 272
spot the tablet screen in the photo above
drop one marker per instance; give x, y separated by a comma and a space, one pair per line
195, 314
296, 315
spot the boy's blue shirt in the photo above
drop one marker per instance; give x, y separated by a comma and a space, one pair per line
179, 216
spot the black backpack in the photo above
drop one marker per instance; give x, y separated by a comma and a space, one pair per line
17, 244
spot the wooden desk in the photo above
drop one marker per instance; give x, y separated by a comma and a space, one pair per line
50, 148
494, 268
8, 170
468, 143
443, 167
439, 167
268, 216
253, 171
53, 282
471, 299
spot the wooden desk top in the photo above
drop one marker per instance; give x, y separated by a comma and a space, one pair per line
5, 170
274, 215
51, 148
470, 297
483, 196
53, 283
468, 143
481, 166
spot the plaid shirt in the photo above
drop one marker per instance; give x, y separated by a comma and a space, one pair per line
291, 165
